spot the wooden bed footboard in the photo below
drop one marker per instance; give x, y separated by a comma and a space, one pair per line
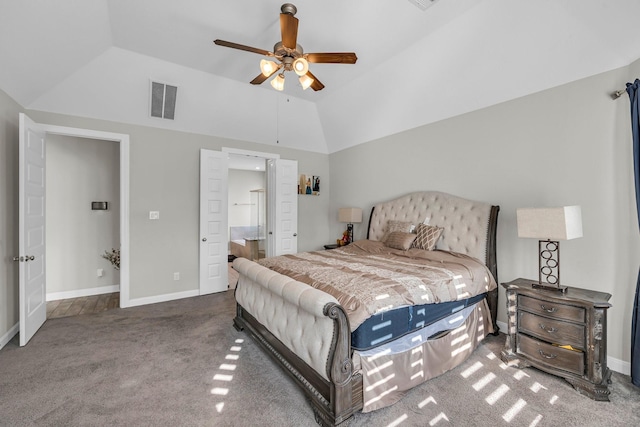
335, 394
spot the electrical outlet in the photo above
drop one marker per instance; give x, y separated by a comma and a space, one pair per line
154, 215
100, 272
176, 276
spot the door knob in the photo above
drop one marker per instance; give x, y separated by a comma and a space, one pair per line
18, 258
204, 239
295, 234
29, 258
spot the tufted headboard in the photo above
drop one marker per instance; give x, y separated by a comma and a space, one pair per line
469, 226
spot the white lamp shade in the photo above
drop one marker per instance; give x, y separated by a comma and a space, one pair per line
305, 81
268, 67
350, 215
300, 66
278, 82
563, 223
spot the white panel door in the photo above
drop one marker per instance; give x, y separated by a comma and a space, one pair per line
31, 235
286, 207
214, 176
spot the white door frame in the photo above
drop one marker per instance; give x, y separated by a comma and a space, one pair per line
123, 139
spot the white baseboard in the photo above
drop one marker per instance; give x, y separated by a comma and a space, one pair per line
619, 365
163, 298
54, 296
614, 364
9, 335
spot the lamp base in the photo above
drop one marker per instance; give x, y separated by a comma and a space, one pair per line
548, 287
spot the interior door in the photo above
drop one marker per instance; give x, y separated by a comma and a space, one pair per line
214, 177
284, 184
31, 234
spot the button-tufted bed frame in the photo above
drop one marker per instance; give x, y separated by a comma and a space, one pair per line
469, 226
307, 331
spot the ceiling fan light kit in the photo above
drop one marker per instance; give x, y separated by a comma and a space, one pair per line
290, 55
305, 81
278, 82
268, 67
300, 66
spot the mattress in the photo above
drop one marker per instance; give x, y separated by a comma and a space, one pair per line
368, 278
390, 370
384, 327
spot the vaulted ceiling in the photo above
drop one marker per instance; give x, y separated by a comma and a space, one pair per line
96, 58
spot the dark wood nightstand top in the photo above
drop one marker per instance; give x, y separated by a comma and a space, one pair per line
332, 246
597, 298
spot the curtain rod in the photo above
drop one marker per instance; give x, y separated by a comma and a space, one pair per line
617, 94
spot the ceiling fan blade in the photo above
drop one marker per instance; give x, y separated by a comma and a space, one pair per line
332, 58
242, 47
289, 29
317, 84
260, 78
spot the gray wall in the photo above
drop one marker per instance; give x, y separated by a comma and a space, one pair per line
164, 176
79, 171
567, 145
564, 146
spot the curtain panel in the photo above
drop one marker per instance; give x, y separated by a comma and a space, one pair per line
632, 90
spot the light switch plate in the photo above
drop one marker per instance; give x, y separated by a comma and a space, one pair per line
154, 214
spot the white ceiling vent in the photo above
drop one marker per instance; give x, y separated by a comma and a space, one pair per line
163, 100
423, 4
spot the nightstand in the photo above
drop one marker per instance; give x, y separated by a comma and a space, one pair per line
564, 334
332, 246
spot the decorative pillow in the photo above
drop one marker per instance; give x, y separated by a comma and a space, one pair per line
405, 227
400, 240
427, 236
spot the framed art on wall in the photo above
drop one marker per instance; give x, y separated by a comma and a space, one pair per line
309, 185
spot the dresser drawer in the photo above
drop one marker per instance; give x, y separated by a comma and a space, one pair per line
552, 309
550, 355
554, 331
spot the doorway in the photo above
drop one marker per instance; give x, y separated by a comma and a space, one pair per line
247, 206
82, 225
31, 216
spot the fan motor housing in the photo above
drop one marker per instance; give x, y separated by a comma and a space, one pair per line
288, 8
279, 50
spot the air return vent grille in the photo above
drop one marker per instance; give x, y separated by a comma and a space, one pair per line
423, 4
163, 100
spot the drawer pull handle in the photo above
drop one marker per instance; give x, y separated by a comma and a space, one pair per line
548, 310
551, 330
546, 355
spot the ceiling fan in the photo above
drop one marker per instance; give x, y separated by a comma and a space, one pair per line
290, 55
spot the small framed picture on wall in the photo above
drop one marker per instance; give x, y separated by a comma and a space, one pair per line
309, 185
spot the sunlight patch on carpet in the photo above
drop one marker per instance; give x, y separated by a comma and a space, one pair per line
225, 377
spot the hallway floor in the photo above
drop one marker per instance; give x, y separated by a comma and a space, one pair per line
82, 305
98, 303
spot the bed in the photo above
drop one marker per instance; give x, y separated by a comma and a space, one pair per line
357, 327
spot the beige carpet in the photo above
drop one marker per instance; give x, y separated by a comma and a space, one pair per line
181, 363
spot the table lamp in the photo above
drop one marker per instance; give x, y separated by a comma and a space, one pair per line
549, 226
350, 215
